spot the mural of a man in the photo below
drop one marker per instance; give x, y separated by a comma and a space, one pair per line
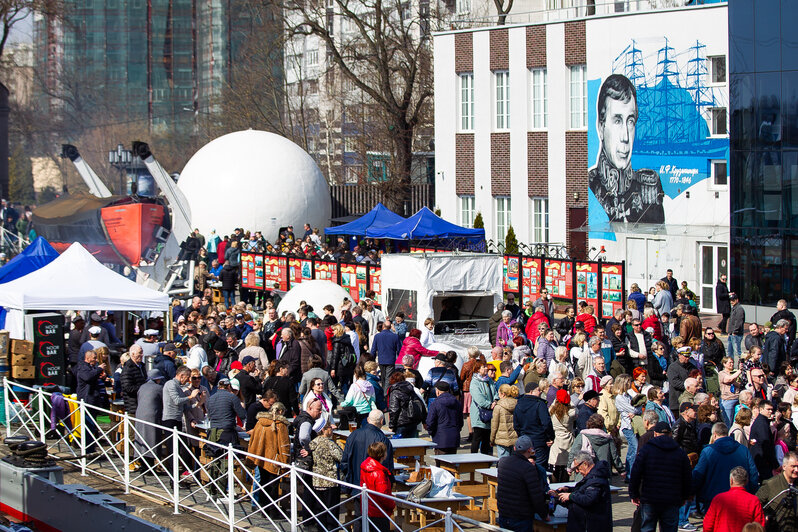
627, 195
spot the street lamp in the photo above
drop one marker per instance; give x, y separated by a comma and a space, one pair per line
120, 158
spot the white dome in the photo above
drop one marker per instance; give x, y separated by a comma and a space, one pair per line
316, 293
255, 180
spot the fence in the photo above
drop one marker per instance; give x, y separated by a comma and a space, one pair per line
353, 199
218, 483
598, 283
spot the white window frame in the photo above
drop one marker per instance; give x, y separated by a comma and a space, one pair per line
711, 71
463, 7
539, 104
713, 122
466, 208
466, 107
352, 173
503, 215
713, 185
312, 57
539, 220
577, 96
350, 144
501, 99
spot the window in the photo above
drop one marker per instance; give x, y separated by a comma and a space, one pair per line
466, 102
312, 58
539, 99
502, 100
350, 144
540, 219
717, 69
463, 7
353, 174
502, 217
578, 97
718, 121
467, 213
720, 176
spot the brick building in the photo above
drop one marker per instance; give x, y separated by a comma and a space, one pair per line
519, 140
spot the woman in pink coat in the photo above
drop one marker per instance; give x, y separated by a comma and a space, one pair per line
412, 346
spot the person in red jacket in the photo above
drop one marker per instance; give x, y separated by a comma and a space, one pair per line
377, 478
731, 510
412, 346
533, 323
588, 319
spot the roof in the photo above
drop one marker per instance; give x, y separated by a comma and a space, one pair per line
425, 225
39, 253
377, 218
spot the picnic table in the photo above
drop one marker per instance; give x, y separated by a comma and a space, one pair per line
467, 464
420, 517
407, 450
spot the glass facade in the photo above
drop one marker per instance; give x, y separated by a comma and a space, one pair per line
763, 60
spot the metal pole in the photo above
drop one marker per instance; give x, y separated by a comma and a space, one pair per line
126, 429
82, 410
175, 469
294, 512
448, 525
364, 509
7, 404
231, 489
41, 415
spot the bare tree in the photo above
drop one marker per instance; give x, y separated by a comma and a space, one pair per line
382, 49
503, 8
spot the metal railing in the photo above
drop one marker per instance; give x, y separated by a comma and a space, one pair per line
218, 484
12, 243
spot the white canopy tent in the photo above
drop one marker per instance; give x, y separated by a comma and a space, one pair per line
75, 281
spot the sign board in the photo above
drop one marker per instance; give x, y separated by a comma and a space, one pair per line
46, 330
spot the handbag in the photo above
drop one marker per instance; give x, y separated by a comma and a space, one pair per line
419, 491
485, 414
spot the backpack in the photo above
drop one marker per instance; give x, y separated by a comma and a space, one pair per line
348, 358
416, 411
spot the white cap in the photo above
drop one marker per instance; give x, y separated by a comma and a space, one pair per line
149, 332
95, 330
234, 384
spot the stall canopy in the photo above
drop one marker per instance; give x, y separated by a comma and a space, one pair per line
76, 280
377, 218
425, 225
39, 253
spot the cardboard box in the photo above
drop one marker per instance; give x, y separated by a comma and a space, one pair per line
21, 360
23, 372
5, 342
22, 347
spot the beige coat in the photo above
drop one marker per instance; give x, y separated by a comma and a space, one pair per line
608, 410
270, 440
502, 431
563, 438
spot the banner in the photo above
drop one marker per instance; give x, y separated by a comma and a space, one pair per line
275, 270
326, 271
611, 289
300, 270
49, 351
559, 278
587, 284
353, 278
530, 279
375, 282
511, 274
252, 271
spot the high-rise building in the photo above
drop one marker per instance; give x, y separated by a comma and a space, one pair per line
160, 60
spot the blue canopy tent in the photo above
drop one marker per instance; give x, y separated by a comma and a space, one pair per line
39, 253
377, 218
426, 225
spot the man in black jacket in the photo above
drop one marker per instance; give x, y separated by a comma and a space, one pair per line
291, 354
774, 351
673, 284
91, 390
531, 418
722, 303
685, 432
783, 314
587, 409
250, 386
678, 371
357, 445
519, 494
661, 480
763, 448
134, 374
589, 502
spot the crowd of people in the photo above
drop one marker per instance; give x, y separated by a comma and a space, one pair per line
708, 434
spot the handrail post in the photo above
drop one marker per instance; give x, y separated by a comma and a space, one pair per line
448, 525
125, 432
175, 470
7, 404
364, 509
82, 410
41, 415
294, 512
231, 487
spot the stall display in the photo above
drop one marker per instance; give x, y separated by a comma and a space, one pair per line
530, 278
559, 278
275, 270
587, 278
300, 270
252, 271
511, 272
326, 271
375, 283
611, 289
353, 278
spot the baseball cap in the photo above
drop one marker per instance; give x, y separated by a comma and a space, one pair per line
662, 428
523, 443
590, 394
234, 384
169, 347
223, 382
687, 406
441, 357
247, 359
239, 316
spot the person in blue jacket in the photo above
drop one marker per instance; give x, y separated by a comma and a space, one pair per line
445, 420
531, 418
711, 474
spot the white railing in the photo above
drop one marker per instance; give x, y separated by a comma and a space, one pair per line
12, 243
218, 483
